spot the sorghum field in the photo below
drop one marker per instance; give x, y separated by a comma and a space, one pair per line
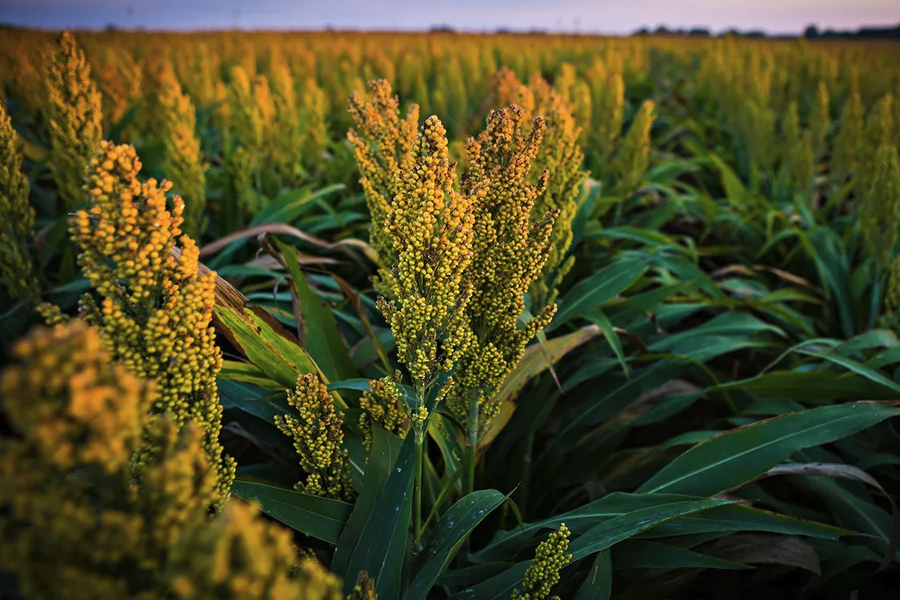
303, 316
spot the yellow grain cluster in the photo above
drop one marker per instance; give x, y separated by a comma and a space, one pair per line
634, 154
510, 250
184, 157
120, 80
68, 501
17, 223
543, 573
242, 556
154, 310
287, 144
72, 111
382, 143
318, 439
383, 404
431, 226
113, 502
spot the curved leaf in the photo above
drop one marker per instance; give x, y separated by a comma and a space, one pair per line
594, 540
740, 455
604, 285
320, 334
383, 534
453, 528
598, 584
640, 554
321, 518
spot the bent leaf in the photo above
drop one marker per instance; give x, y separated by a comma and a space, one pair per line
452, 530
321, 518
740, 455
534, 361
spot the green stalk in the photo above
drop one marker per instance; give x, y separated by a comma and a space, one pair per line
445, 491
876, 298
471, 448
421, 400
526, 473
417, 497
469, 461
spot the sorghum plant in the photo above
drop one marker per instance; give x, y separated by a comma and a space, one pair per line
153, 310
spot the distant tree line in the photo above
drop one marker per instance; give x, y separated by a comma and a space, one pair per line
811, 33
865, 33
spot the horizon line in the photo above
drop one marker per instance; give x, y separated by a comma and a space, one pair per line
448, 29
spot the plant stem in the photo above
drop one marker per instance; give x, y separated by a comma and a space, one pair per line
419, 431
471, 448
526, 474
445, 491
467, 485
876, 298
417, 496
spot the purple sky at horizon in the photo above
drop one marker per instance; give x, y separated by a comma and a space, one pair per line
585, 16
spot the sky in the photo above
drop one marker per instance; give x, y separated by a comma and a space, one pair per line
584, 16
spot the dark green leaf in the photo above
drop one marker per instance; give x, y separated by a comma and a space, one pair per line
740, 455
321, 518
604, 285
638, 554
452, 529
594, 540
598, 584
321, 336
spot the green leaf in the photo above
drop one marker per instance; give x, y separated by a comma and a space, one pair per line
357, 384
857, 368
254, 412
647, 237
606, 534
535, 360
506, 543
735, 191
243, 372
384, 455
639, 554
290, 205
689, 272
606, 403
321, 518
736, 517
270, 473
383, 537
599, 318
623, 312
78, 286
598, 584
604, 285
248, 271
473, 574
444, 433
269, 346
863, 515
452, 529
812, 386
254, 400
726, 325
284, 209
730, 517
321, 336
740, 455
594, 540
